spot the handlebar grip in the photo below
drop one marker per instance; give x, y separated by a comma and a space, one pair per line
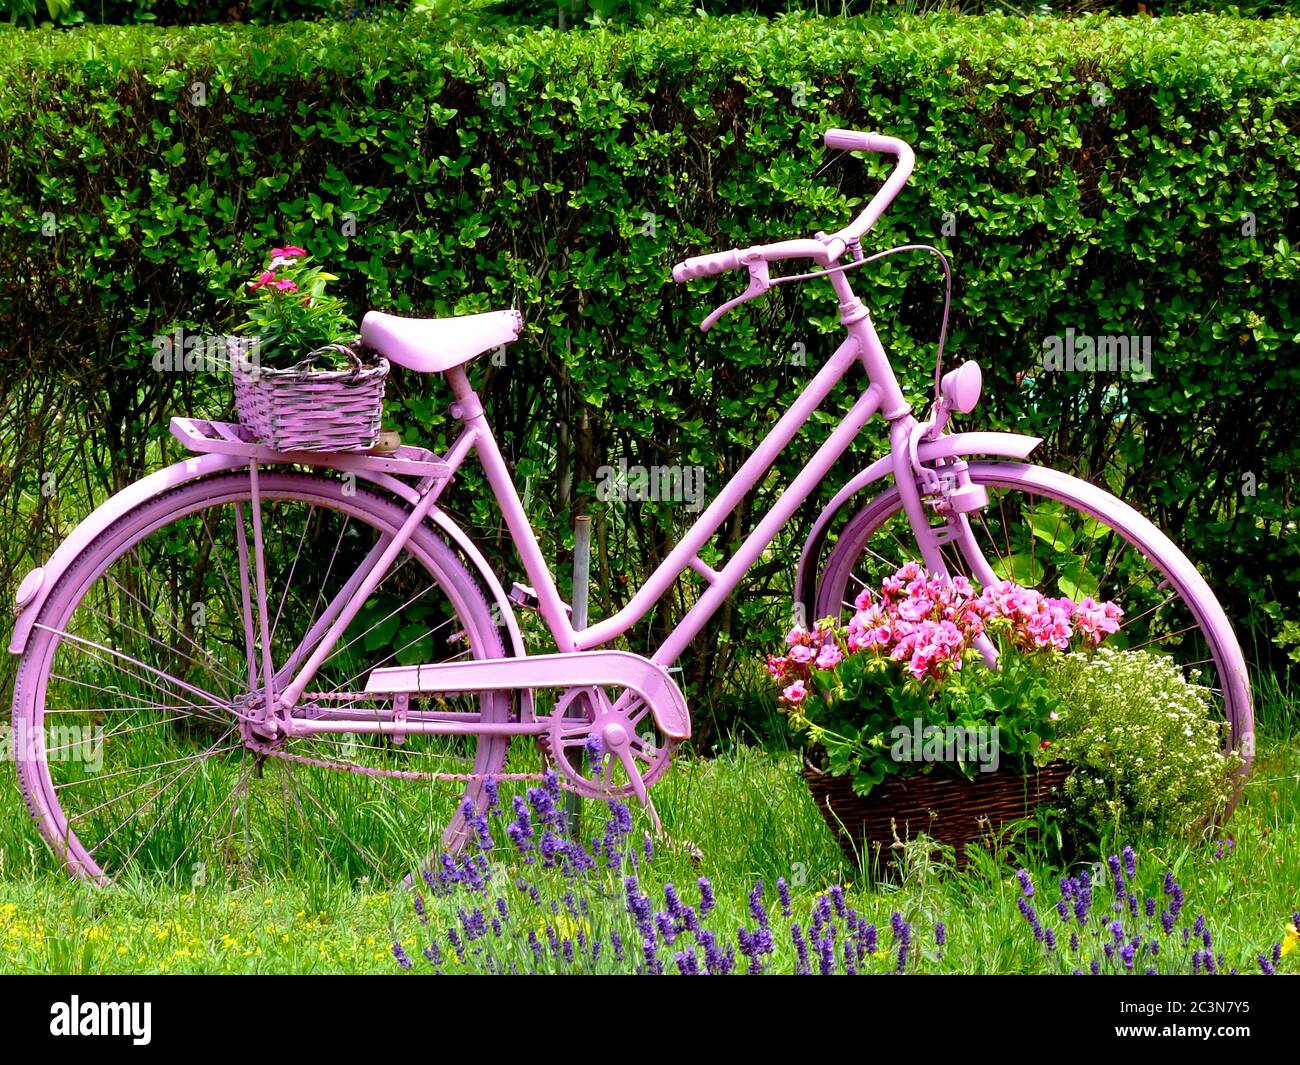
849, 140
719, 262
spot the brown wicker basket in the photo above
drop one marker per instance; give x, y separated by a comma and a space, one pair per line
301, 409
947, 807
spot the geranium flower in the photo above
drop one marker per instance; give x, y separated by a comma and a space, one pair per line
290, 251
795, 693
829, 656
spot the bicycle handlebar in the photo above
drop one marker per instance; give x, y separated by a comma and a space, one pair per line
848, 140
825, 250
719, 262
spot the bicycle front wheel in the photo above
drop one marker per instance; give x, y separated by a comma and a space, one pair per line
1062, 536
137, 690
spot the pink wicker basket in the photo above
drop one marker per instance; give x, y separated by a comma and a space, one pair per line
300, 409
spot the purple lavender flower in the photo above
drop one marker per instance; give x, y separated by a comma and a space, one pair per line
715, 962
1029, 914
1166, 921
664, 922
1277, 953
493, 792
616, 941
940, 934
837, 897
802, 968
706, 897
401, 957
520, 830
1095, 968
453, 937
672, 901
1130, 861
783, 893
1026, 884
1151, 906
1266, 966
826, 955
648, 849
434, 953
756, 908
418, 903
1176, 899
1049, 937
687, 964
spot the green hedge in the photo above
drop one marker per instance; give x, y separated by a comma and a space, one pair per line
1098, 174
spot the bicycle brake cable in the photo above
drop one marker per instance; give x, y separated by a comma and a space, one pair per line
947, 290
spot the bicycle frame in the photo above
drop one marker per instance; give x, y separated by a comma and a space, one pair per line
882, 395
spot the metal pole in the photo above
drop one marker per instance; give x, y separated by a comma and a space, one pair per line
581, 586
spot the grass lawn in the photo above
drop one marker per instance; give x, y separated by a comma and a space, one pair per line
739, 818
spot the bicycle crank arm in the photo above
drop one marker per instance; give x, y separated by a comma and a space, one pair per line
621, 669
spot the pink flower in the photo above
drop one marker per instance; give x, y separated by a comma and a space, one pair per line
798, 635
264, 278
1096, 620
795, 693
829, 656
290, 252
776, 667
285, 285
801, 654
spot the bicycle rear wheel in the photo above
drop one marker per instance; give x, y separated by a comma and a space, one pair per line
1063, 536
135, 693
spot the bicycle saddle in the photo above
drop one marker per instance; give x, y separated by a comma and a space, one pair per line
434, 345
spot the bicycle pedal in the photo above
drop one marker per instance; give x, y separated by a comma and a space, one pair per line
524, 596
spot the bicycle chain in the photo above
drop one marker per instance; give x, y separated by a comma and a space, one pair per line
267, 751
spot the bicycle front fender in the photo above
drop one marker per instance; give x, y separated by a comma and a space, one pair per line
36, 586
953, 445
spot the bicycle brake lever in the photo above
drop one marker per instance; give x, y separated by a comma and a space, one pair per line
759, 282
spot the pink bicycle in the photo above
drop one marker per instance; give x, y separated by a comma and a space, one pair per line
278, 655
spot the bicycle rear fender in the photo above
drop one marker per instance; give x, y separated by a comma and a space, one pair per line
35, 588
953, 445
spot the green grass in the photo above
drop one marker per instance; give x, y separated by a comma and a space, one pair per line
740, 817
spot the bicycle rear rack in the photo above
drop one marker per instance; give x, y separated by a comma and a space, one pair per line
231, 438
